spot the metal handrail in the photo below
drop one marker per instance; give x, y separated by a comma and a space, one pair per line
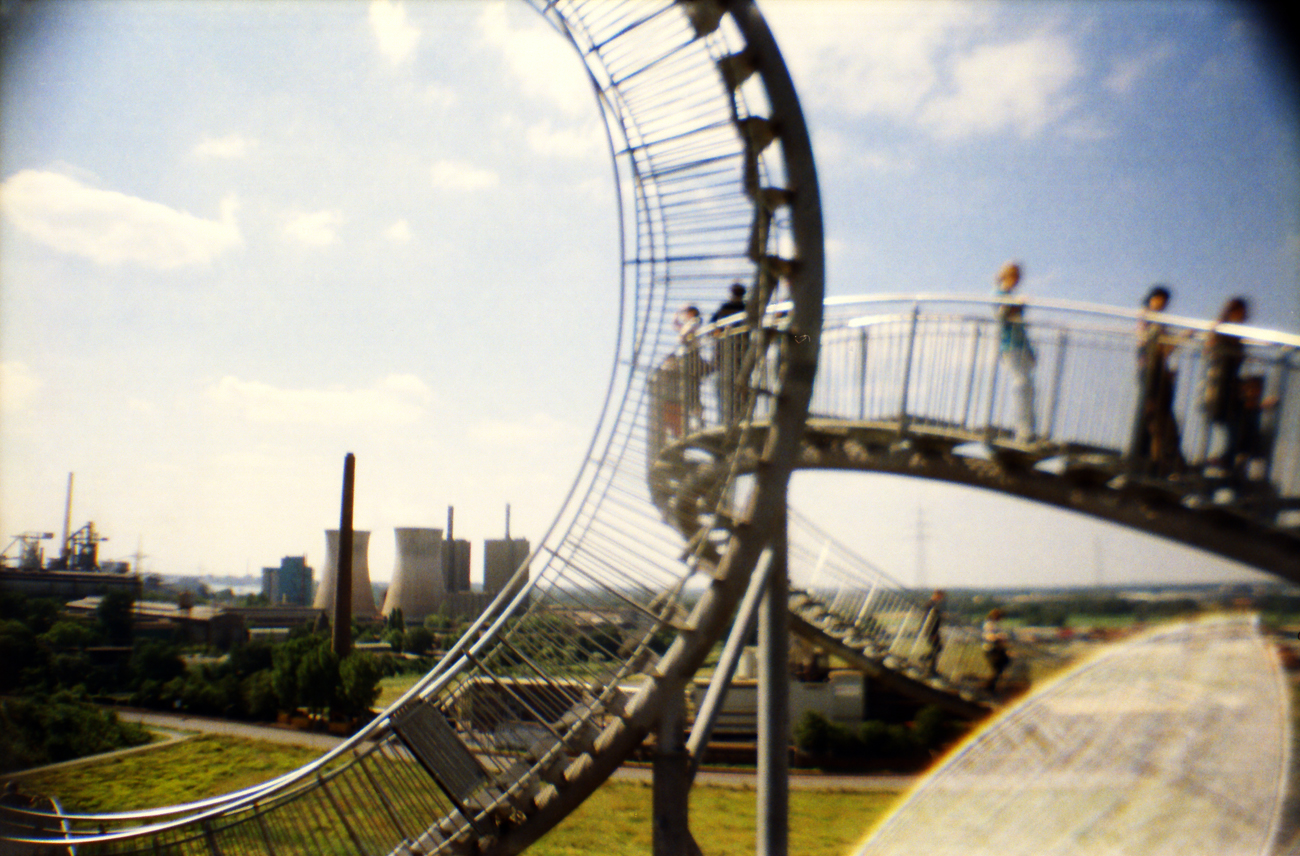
931, 363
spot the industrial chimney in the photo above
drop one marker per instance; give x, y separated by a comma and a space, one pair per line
419, 585
363, 598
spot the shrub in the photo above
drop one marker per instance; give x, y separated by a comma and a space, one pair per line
418, 640
69, 634
43, 730
932, 729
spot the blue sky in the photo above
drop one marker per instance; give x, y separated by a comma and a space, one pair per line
238, 240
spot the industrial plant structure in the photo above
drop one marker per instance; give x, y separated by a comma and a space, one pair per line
363, 598
432, 573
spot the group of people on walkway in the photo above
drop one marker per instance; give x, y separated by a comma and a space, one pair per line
677, 381
994, 641
1235, 404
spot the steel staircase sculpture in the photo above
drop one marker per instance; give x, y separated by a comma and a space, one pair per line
565, 673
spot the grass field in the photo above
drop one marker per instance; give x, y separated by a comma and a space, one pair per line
615, 820
392, 687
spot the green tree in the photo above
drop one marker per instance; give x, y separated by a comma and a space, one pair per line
17, 648
114, 614
259, 695
250, 657
358, 688
318, 678
287, 658
155, 660
69, 634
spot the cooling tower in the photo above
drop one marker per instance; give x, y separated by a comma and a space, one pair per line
418, 583
363, 598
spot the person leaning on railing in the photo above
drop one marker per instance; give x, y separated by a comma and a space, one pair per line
692, 365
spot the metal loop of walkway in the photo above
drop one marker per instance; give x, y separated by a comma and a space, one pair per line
565, 673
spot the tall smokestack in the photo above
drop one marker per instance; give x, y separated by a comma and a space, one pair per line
65, 554
507, 521
451, 513
418, 583
342, 642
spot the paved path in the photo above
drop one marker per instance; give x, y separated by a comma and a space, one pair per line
231, 728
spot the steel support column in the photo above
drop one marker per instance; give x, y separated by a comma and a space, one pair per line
773, 817
672, 783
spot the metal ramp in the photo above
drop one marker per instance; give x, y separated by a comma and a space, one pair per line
1172, 743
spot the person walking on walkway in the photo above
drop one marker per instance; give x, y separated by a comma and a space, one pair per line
1157, 448
1016, 352
932, 630
995, 649
1224, 354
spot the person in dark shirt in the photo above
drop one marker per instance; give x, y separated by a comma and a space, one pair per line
735, 305
728, 355
1224, 354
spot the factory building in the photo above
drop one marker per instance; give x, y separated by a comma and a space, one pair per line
501, 558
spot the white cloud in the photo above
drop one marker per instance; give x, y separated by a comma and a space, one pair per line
542, 64
316, 229
396, 37
568, 142
1019, 86
395, 400
399, 232
459, 175
112, 228
18, 387
229, 147
537, 430
142, 406
950, 69
889, 62
439, 96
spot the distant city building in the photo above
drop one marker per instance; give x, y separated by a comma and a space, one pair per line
290, 584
